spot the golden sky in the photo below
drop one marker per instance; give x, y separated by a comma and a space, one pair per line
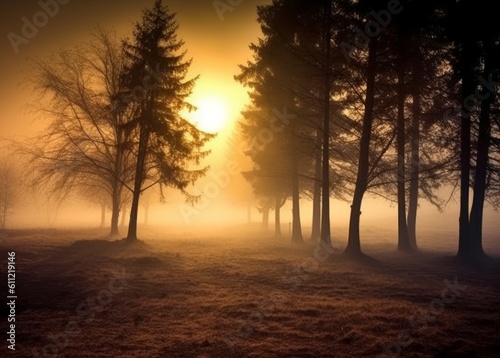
217, 42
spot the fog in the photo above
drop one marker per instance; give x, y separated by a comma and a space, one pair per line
213, 216
217, 47
249, 178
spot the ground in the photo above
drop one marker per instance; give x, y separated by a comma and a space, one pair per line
231, 294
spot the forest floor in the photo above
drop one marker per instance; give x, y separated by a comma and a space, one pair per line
80, 294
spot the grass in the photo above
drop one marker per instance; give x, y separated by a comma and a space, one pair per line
245, 295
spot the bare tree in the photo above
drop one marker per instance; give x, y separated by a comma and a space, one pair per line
86, 141
10, 190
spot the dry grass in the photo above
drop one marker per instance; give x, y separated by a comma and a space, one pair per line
245, 296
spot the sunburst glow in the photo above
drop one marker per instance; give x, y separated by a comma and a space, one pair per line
211, 115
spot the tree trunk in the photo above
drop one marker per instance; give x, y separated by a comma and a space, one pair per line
417, 74
415, 158
316, 213
403, 241
353, 243
115, 209
139, 175
483, 144
134, 207
123, 216
117, 185
265, 218
468, 86
296, 225
476, 213
277, 218
325, 188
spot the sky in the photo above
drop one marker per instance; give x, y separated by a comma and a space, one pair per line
217, 40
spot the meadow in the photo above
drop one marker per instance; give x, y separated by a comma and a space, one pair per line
238, 292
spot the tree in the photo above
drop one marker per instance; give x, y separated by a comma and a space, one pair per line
96, 195
410, 28
85, 143
431, 152
166, 144
477, 50
409, 88
10, 190
269, 77
484, 139
353, 243
403, 240
296, 65
238, 191
417, 73
269, 177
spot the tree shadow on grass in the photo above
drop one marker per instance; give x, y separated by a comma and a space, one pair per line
483, 269
101, 247
360, 259
59, 280
424, 262
103, 254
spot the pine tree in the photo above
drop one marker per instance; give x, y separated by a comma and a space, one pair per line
166, 143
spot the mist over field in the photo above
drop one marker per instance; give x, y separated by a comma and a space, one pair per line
249, 178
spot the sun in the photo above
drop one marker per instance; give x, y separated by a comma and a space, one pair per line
211, 114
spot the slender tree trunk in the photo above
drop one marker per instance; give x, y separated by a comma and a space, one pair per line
415, 151
265, 218
483, 144
417, 74
123, 216
476, 213
353, 243
403, 241
134, 207
296, 225
115, 209
277, 217
117, 185
325, 188
316, 213
468, 86
139, 175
